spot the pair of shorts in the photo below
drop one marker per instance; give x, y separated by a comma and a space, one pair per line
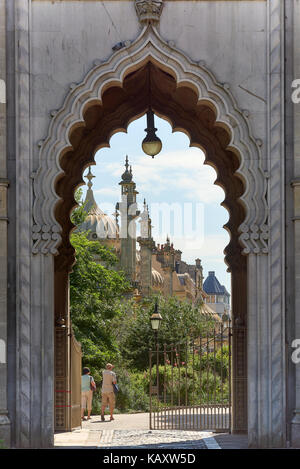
86, 399
108, 398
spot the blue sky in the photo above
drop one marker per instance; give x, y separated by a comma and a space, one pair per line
175, 176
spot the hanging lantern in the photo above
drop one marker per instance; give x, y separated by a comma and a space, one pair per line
151, 144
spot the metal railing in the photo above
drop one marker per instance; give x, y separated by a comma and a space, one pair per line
190, 385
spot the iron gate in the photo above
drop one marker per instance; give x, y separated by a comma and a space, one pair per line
75, 376
190, 383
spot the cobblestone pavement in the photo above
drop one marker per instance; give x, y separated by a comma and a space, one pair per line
136, 439
159, 439
131, 431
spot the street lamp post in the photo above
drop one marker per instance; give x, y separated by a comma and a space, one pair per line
155, 323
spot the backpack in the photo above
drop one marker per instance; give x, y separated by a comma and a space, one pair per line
92, 384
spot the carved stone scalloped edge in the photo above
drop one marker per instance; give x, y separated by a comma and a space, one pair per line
254, 231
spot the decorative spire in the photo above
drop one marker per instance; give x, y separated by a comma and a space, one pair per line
89, 198
145, 227
149, 11
90, 176
127, 175
116, 215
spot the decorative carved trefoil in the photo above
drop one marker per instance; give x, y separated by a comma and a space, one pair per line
149, 11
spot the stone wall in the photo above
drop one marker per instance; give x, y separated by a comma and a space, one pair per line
4, 422
67, 37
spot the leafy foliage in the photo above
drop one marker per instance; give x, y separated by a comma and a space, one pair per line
96, 290
114, 329
183, 383
181, 320
79, 213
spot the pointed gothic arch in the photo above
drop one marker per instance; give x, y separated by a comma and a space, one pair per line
149, 46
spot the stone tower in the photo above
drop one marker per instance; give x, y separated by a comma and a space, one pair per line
166, 256
146, 247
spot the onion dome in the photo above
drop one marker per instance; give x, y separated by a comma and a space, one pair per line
99, 224
157, 278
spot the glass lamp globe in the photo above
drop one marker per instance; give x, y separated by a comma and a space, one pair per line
151, 144
155, 318
155, 321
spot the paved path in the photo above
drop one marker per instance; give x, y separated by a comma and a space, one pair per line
131, 431
135, 439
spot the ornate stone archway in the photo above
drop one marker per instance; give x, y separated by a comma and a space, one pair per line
150, 46
48, 235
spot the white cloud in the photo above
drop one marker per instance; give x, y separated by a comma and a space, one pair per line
111, 192
175, 175
210, 246
180, 171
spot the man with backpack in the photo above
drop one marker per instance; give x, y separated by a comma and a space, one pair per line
108, 394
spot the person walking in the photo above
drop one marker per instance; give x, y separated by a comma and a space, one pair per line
87, 387
107, 391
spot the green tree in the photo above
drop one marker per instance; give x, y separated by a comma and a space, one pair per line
79, 213
96, 290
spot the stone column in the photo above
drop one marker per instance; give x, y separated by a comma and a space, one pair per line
62, 411
20, 74
38, 396
33, 419
266, 357
146, 246
4, 421
295, 427
295, 430
128, 238
239, 346
127, 252
266, 270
